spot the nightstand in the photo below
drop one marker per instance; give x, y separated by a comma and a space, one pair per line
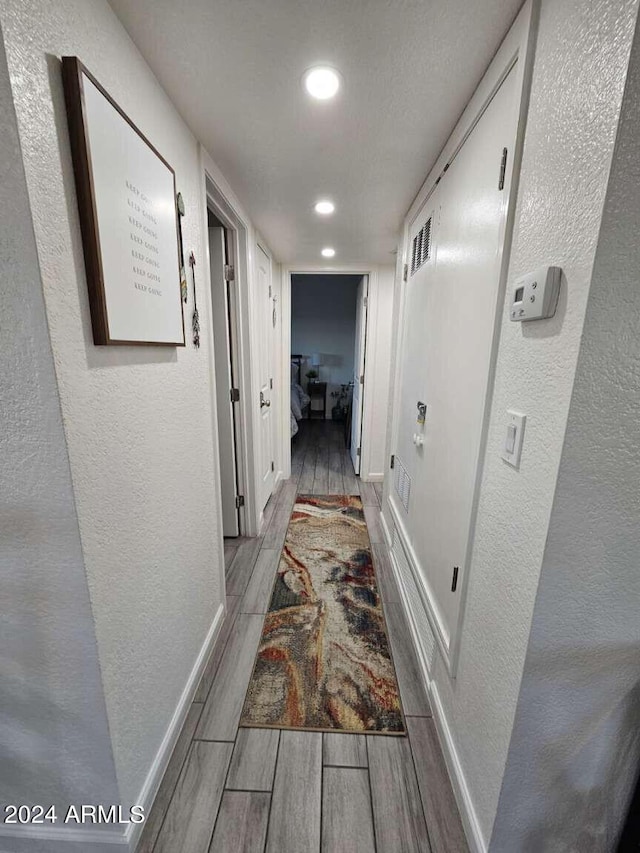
317, 391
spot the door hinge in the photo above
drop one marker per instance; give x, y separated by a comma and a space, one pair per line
454, 579
239, 501
273, 466
235, 395
503, 169
393, 460
269, 291
271, 384
362, 378
405, 272
358, 451
229, 272
366, 301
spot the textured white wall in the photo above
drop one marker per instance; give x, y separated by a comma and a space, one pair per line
54, 739
138, 421
575, 748
581, 59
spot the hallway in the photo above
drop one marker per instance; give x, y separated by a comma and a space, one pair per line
228, 789
201, 195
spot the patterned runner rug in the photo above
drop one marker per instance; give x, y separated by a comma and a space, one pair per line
324, 661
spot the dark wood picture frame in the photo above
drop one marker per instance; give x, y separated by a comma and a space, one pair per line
73, 72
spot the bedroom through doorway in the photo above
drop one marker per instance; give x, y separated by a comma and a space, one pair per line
328, 355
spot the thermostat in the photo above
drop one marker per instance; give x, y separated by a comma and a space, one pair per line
535, 296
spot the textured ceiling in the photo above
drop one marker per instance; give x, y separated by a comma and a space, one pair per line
233, 68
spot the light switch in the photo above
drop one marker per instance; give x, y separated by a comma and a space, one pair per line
512, 448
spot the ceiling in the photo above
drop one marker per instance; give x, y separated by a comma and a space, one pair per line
233, 68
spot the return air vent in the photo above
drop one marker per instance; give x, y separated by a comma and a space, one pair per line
402, 483
421, 248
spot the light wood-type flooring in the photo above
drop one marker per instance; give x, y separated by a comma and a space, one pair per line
231, 790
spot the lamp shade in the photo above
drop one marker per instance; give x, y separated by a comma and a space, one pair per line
315, 359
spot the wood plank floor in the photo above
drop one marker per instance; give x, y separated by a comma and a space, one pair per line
230, 790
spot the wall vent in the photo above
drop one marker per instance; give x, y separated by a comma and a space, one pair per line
402, 482
421, 247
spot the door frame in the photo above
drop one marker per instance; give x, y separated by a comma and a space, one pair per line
516, 48
285, 370
261, 245
357, 374
218, 196
231, 361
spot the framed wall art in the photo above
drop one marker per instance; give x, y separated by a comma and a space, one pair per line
127, 204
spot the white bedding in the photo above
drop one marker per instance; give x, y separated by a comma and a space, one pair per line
299, 399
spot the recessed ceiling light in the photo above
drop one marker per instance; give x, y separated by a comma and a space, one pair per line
328, 252
321, 82
325, 207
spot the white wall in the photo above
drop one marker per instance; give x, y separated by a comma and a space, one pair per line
575, 749
54, 738
138, 421
323, 320
581, 57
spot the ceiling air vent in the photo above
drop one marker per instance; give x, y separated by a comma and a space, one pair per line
421, 247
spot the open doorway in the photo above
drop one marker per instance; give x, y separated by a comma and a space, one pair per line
224, 316
328, 353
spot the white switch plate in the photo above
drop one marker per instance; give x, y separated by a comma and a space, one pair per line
512, 444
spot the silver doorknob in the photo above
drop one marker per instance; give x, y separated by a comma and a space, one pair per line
264, 402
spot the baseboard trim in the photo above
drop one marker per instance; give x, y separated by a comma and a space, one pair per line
372, 478
159, 765
385, 529
456, 774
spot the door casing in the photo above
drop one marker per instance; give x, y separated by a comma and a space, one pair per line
264, 378
285, 353
359, 371
223, 319
218, 197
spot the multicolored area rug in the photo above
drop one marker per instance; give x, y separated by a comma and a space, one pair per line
324, 662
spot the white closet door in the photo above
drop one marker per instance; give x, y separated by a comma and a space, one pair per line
224, 406
359, 371
265, 342
449, 325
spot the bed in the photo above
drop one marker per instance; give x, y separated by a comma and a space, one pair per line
299, 398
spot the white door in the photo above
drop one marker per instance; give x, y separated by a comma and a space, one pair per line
224, 380
359, 371
449, 319
264, 319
